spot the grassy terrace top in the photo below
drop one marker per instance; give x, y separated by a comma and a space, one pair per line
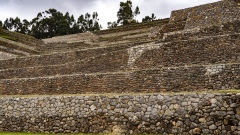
133, 94
21, 38
133, 26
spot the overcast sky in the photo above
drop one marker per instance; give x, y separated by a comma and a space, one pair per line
107, 9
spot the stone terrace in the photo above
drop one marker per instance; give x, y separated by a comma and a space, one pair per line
170, 57
17, 45
132, 78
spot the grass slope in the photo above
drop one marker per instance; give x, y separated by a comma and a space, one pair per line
6, 133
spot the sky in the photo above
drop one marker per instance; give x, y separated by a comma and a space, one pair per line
107, 9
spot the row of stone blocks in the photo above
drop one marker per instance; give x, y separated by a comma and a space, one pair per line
19, 48
133, 27
225, 28
209, 14
22, 38
184, 113
162, 79
174, 79
145, 56
59, 57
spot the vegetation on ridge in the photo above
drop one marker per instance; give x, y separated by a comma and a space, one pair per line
52, 22
7, 133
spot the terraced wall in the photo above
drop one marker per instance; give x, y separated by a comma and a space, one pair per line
137, 113
209, 14
22, 38
169, 79
189, 34
211, 50
59, 58
133, 27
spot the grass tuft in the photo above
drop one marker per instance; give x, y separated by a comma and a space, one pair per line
9, 38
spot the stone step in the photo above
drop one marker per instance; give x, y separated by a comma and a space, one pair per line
131, 27
61, 57
226, 28
17, 46
208, 50
61, 47
169, 79
87, 36
12, 51
143, 56
22, 38
4, 54
108, 62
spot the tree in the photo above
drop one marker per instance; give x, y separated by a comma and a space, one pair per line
112, 24
25, 27
1, 24
52, 23
149, 18
8, 24
125, 13
136, 12
88, 22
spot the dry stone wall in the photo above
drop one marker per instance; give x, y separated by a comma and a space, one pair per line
18, 46
109, 62
4, 55
140, 113
22, 38
220, 49
132, 27
216, 50
87, 36
207, 15
189, 34
179, 53
11, 52
221, 12
59, 57
169, 79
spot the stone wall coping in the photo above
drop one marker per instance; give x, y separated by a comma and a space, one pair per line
117, 95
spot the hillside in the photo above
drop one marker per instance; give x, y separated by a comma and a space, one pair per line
162, 77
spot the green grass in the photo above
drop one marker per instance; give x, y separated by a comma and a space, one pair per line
7, 133
9, 38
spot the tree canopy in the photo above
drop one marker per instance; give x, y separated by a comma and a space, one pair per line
126, 14
149, 18
52, 23
1, 24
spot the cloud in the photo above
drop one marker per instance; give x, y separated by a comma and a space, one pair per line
107, 9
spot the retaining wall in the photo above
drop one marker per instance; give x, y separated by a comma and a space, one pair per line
23, 38
216, 50
109, 62
189, 34
219, 13
139, 113
60, 57
60, 47
170, 79
208, 14
87, 36
4, 55
132, 27
219, 49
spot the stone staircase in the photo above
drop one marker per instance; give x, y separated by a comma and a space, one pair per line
126, 60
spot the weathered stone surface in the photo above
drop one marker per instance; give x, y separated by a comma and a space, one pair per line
158, 114
187, 59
